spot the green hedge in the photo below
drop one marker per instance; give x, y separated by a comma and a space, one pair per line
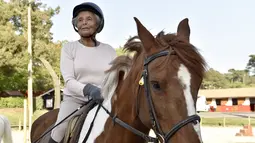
11, 102
17, 102
39, 103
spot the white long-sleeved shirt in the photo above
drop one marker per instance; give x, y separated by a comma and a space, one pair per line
80, 65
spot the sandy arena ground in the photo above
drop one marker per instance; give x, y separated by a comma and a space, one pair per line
209, 135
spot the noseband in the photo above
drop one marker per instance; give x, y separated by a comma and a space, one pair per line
161, 136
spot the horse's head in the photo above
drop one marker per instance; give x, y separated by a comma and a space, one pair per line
172, 71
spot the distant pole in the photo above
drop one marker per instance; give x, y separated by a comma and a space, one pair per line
30, 71
25, 121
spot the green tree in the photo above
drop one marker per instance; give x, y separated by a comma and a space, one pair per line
213, 80
120, 51
238, 78
13, 41
251, 64
236, 75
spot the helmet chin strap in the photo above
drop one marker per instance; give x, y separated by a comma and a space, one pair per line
75, 28
92, 37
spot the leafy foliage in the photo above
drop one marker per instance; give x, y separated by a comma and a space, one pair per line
251, 64
13, 41
214, 79
18, 102
232, 79
11, 102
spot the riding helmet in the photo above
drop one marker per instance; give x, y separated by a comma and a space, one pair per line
92, 7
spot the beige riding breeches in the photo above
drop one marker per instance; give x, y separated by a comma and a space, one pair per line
67, 106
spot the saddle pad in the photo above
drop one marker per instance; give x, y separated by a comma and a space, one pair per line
75, 124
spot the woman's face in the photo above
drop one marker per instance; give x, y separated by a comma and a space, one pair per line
86, 23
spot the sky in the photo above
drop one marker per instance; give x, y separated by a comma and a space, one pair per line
223, 31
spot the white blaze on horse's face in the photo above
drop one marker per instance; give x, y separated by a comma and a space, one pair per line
185, 79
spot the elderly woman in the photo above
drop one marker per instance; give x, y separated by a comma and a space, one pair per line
82, 64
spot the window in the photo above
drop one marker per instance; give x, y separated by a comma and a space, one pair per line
218, 101
49, 103
234, 101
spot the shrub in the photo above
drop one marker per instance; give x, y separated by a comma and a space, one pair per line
18, 102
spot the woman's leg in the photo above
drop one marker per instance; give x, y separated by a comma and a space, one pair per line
67, 106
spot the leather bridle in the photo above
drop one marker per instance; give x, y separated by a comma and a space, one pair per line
161, 136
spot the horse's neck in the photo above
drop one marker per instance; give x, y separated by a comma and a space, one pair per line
124, 109
115, 133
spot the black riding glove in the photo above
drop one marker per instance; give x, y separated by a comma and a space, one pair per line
92, 92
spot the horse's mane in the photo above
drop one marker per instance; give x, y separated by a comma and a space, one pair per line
187, 53
134, 45
110, 83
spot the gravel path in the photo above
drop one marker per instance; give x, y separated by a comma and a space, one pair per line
224, 135
209, 135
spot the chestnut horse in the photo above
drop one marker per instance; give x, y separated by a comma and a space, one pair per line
170, 71
155, 89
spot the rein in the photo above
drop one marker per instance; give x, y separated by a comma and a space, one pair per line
89, 102
115, 119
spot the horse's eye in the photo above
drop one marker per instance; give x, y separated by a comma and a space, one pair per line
155, 85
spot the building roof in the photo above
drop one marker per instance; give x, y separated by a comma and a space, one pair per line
16, 93
226, 93
11, 94
49, 91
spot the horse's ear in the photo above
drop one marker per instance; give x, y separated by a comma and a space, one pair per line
145, 36
183, 29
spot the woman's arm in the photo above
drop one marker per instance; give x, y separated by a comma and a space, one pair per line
67, 70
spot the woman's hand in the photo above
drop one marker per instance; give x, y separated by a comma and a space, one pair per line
92, 92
